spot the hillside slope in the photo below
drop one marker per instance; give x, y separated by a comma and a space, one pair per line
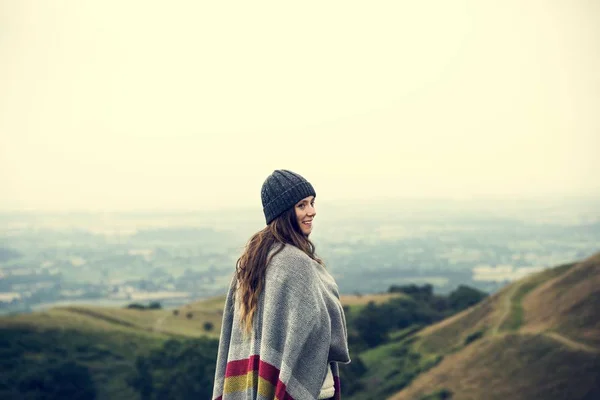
565, 305
103, 351
96, 348
537, 338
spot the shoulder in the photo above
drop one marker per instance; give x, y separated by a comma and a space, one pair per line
290, 255
291, 263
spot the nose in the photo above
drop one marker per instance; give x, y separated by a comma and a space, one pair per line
312, 211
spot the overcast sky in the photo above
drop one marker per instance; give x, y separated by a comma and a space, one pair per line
123, 105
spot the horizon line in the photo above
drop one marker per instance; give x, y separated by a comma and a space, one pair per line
347, 202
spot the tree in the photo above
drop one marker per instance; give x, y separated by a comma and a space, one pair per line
464, 297
179, 370
136, 306
208, 326
371, 325
418, 292
350, 374
67, 380
142, 381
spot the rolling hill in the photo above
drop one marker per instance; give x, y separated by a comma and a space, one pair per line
538, 338
102, 345
186, 321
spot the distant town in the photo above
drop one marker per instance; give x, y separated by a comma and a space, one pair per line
117, 259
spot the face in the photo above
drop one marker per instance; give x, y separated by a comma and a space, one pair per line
305, 213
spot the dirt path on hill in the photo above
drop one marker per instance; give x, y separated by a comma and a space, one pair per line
507, 306
570, 342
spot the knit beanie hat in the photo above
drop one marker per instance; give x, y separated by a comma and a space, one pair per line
281, 191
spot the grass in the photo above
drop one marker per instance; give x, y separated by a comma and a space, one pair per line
473, 337
441, 394
106, 341
513, 363
404, 333
63, 319
211, 304
511, 366
450, 335
164, 322
109, 356
393, 366
515, 319
363, 300
373, 357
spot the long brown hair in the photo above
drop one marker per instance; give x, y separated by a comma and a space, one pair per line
251, 267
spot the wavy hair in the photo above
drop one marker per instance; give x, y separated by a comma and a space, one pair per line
251, 267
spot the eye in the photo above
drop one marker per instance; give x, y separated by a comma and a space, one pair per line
300, 206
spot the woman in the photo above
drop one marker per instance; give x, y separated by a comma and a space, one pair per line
284, 329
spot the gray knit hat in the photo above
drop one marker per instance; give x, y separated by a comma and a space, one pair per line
281, 191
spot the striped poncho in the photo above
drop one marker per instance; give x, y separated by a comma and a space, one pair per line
299, 330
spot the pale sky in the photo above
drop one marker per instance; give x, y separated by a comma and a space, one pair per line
124, 105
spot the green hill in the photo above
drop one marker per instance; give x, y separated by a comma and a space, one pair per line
106, 351
93, 352
537, 338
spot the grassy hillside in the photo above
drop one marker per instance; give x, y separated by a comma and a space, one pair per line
98, 345
185, 321
101, 347
96, 348
106, 356
512, 366
564, 305
537, 338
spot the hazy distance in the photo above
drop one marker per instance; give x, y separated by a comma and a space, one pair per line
190, 105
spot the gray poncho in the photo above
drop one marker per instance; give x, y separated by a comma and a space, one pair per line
299, 330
